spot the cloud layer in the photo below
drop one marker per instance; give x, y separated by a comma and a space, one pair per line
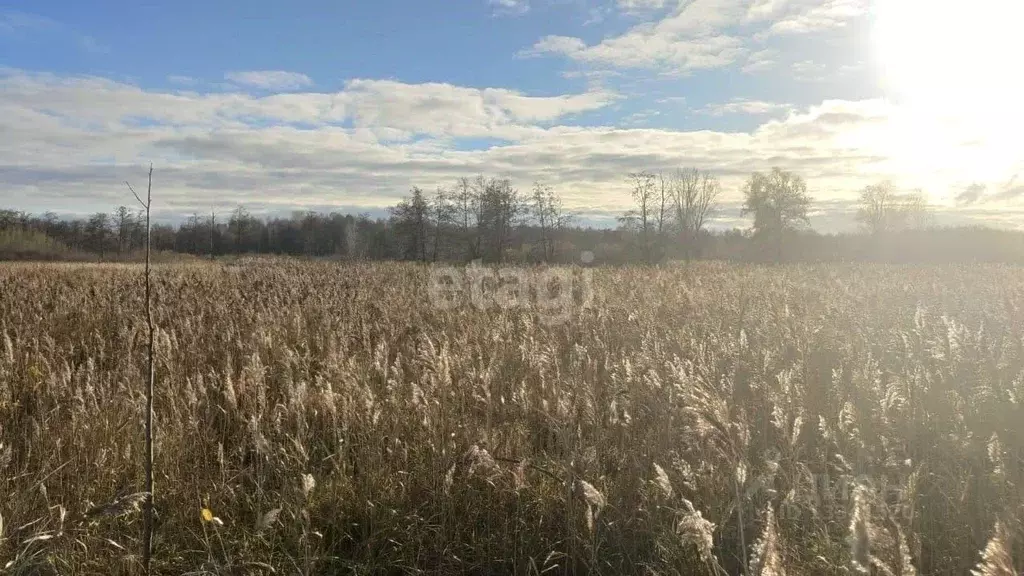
703, 34
71, 141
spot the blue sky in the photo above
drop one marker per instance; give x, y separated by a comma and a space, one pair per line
346, 105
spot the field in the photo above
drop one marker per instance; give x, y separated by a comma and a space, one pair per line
321, 418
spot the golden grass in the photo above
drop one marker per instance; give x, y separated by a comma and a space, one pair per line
320, 418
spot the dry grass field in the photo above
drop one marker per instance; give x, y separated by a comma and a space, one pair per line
319, 418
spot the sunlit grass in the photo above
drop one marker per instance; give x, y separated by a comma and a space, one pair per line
321, 418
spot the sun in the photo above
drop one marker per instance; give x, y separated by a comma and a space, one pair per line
951, 52
955, 68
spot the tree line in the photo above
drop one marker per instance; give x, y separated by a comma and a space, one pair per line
488, 219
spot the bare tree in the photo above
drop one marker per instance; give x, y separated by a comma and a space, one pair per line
242, 225
499, 209
443, 212
882, 208
410, 217
11, 219
123, 223
547, 211
213, 235
138, 229
642, 218
148, 432
779, 202
694, 197
664, 208
98, 233
464, 205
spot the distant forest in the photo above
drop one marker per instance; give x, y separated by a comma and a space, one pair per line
488, 219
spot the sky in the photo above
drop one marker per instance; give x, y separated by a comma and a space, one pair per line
346, 105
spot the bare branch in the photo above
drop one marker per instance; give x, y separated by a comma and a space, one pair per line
694, 194
144, 205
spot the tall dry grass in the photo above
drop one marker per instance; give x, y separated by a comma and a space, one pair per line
325, 419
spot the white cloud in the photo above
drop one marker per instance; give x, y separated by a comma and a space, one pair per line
564, 45
643, 49
641, 118
689, 39
703, 34
815, 16
764, 9
816, 71
70, 141
761, 61
444, 110
673, 100
634, 6
596, 15
744, 106
510, 7
270, 79
646, 48
545, 109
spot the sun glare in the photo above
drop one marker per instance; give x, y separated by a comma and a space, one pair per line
955, 67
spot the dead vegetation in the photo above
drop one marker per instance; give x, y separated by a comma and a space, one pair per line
324, 419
